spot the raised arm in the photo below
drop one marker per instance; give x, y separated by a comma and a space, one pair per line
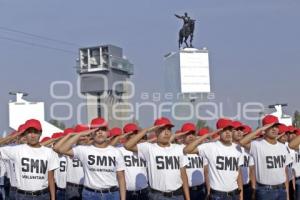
294, 144
49, 142
115, 140
245, 141
192, 147
61, 142
178, 16
8, 138
131, 144
66, 148
177, 135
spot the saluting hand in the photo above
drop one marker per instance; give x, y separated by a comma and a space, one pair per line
87, 132
154, 128
262, 129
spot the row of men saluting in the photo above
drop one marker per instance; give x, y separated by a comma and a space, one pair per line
232, 162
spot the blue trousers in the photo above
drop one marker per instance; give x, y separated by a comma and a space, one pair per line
223, 197
137, 196
73, 192
247, 192
198, 194
266, 193
45, 196
61, 195
156, 196
88, 195
2, 192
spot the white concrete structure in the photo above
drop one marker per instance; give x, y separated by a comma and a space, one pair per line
187, 76
187, 71
22, 110
283, 118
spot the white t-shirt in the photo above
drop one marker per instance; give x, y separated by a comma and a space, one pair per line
135, 171
164, 165
290, 166
61, 173
248, 161
10, 170
75, 173
100, 165
11, 173
195, 169
223, 164
270, 161
32, 165
296, 163
2, 172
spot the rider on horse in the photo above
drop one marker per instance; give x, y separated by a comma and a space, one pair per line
186, 20
187, 30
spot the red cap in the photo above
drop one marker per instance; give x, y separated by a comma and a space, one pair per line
163, 121
33, 123
247, 129
237, 125
115, 132
130, 127
282, 128
291, 129
80, 128
45, 139
188, 127
298, 131
269, 119
224, 123
203, 131
57, 135
69, 130
98, 122
21, 128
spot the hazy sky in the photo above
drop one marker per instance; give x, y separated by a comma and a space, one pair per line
254, 46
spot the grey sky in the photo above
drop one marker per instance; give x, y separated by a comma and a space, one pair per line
254, 45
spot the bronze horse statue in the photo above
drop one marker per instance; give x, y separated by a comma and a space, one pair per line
187, 31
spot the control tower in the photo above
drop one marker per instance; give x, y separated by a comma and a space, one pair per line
104, 74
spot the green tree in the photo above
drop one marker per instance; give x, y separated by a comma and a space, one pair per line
296, 120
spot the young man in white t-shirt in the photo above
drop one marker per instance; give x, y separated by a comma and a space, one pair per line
74, 169
103, 165
136, 168
34, 165
296, 163
165, 161
60, 174
284, 132
247, 168
271, 160
195, 168
224, 160
75, 175
10, 177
